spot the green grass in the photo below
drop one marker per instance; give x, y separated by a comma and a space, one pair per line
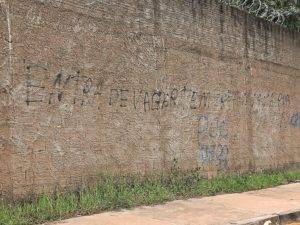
129, 191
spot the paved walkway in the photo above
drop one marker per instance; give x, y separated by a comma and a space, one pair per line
216, 210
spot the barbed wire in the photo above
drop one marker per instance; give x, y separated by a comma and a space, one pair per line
262, 10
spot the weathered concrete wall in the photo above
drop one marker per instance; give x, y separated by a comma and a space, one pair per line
129, 86
5, 105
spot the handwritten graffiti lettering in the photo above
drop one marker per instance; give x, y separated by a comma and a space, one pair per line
84, 90
212, 128
214, 154
295, 120
118, 96
34, 90
213, 141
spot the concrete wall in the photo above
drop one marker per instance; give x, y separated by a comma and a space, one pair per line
128, 86
6, 102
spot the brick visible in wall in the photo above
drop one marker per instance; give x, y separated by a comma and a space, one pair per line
91, 87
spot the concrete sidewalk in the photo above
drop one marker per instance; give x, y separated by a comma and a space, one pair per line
216, 210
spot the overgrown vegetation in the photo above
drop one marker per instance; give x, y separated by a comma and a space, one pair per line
129, 191
283, 12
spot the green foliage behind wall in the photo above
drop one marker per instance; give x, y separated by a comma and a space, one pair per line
283, 12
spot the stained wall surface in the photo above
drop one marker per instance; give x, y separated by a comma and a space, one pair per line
110, 86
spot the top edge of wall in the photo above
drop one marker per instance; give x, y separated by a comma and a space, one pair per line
211, 11
87, 7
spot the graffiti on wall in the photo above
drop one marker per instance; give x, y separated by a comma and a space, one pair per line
47, 88
213, 141
85, 91
91, 91
295, 120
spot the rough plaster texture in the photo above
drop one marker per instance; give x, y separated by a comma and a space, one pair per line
129, 86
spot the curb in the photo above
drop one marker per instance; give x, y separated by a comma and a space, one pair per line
272, 219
